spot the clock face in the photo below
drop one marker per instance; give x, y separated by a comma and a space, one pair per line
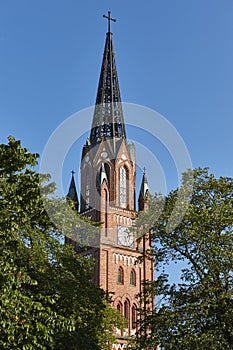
125, 236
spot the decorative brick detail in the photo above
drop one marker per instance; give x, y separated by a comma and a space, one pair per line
127, 260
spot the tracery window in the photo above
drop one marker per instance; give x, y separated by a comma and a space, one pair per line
123, 187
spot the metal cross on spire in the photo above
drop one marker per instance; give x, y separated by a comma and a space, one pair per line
109, 18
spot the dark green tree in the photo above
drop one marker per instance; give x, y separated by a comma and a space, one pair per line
196, 312
48, 300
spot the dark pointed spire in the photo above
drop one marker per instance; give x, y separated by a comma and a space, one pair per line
72, 193
108, 120
144, 192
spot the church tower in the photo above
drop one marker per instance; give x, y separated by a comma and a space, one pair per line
108, 191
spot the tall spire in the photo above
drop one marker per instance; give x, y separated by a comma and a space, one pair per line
108, 120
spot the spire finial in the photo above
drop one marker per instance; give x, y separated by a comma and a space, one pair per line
109, 20
144, 170
72, 172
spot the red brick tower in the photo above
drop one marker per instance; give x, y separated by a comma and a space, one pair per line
108, 187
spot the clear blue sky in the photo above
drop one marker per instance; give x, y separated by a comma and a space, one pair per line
175, 57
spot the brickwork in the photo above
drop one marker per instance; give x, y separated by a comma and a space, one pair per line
117, 269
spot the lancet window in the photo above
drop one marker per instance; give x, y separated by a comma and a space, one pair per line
127, 310
134, 316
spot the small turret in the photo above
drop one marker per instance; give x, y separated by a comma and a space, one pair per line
144, 193
72, 193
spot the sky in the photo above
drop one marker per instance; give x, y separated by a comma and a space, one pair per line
173, 56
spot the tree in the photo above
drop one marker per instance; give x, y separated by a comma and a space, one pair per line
48, 300
196, 312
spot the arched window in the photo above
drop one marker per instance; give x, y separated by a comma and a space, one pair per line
123, 187
127, 310
87, 189
134, 316
119, 307
132, 278
120, 277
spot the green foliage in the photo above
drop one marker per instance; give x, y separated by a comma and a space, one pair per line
197, 312
48, 300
